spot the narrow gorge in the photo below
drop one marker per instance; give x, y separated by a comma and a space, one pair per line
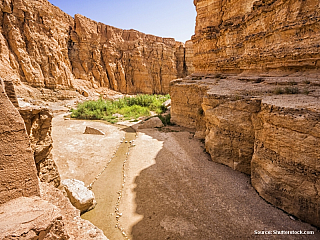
239, 158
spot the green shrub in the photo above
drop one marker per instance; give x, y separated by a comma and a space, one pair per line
165, 119
129, 107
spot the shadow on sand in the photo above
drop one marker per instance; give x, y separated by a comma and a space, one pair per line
187, 196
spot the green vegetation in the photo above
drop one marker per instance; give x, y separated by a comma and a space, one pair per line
165, 119
125, 108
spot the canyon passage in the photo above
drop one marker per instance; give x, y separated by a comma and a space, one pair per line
240, 158
172, 190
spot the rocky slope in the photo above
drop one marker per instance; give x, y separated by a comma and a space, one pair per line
44, 47
255, 96
29, 209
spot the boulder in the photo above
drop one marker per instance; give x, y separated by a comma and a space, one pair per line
80, 196
151, 123
91, 130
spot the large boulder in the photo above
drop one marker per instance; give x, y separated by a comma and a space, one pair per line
80, 196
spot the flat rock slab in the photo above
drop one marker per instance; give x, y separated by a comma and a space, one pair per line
30, 218
91, 130
80, 196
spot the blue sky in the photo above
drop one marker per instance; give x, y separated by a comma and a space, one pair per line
164, 18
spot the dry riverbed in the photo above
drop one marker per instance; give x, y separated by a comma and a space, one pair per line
163, 186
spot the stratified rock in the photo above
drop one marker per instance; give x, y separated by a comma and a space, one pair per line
80, 196
31, 218
18, 176
248, 127
44, 47
124, 60
246, 55
38, 122
189, 57
91, 130
33, 38
250, 36
150, 123
285, 164
9, 88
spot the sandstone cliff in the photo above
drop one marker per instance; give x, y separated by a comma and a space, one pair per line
255, 97
256, 36
44, 47
250, 128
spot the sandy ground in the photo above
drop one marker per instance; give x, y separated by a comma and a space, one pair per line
83, 156
172, 190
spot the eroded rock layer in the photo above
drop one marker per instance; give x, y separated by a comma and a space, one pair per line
38, 123
256, 127
271, 36
44, 47
18, 177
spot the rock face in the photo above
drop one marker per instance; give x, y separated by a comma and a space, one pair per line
44, 47
18, 177
124, 60
272, 137
38, 123
254, 96
245, 36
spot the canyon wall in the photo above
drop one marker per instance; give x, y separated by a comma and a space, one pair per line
269, 36
18, 176
272, 137
255, 96
44, 47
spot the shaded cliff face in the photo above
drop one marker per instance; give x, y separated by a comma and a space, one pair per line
273, 36
44, 47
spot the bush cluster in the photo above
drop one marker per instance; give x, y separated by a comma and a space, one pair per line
128, 107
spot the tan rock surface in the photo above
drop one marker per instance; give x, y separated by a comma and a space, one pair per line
248, 127
31, 218
44, 47
74, 225
38, 124
18, 176
245, 36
